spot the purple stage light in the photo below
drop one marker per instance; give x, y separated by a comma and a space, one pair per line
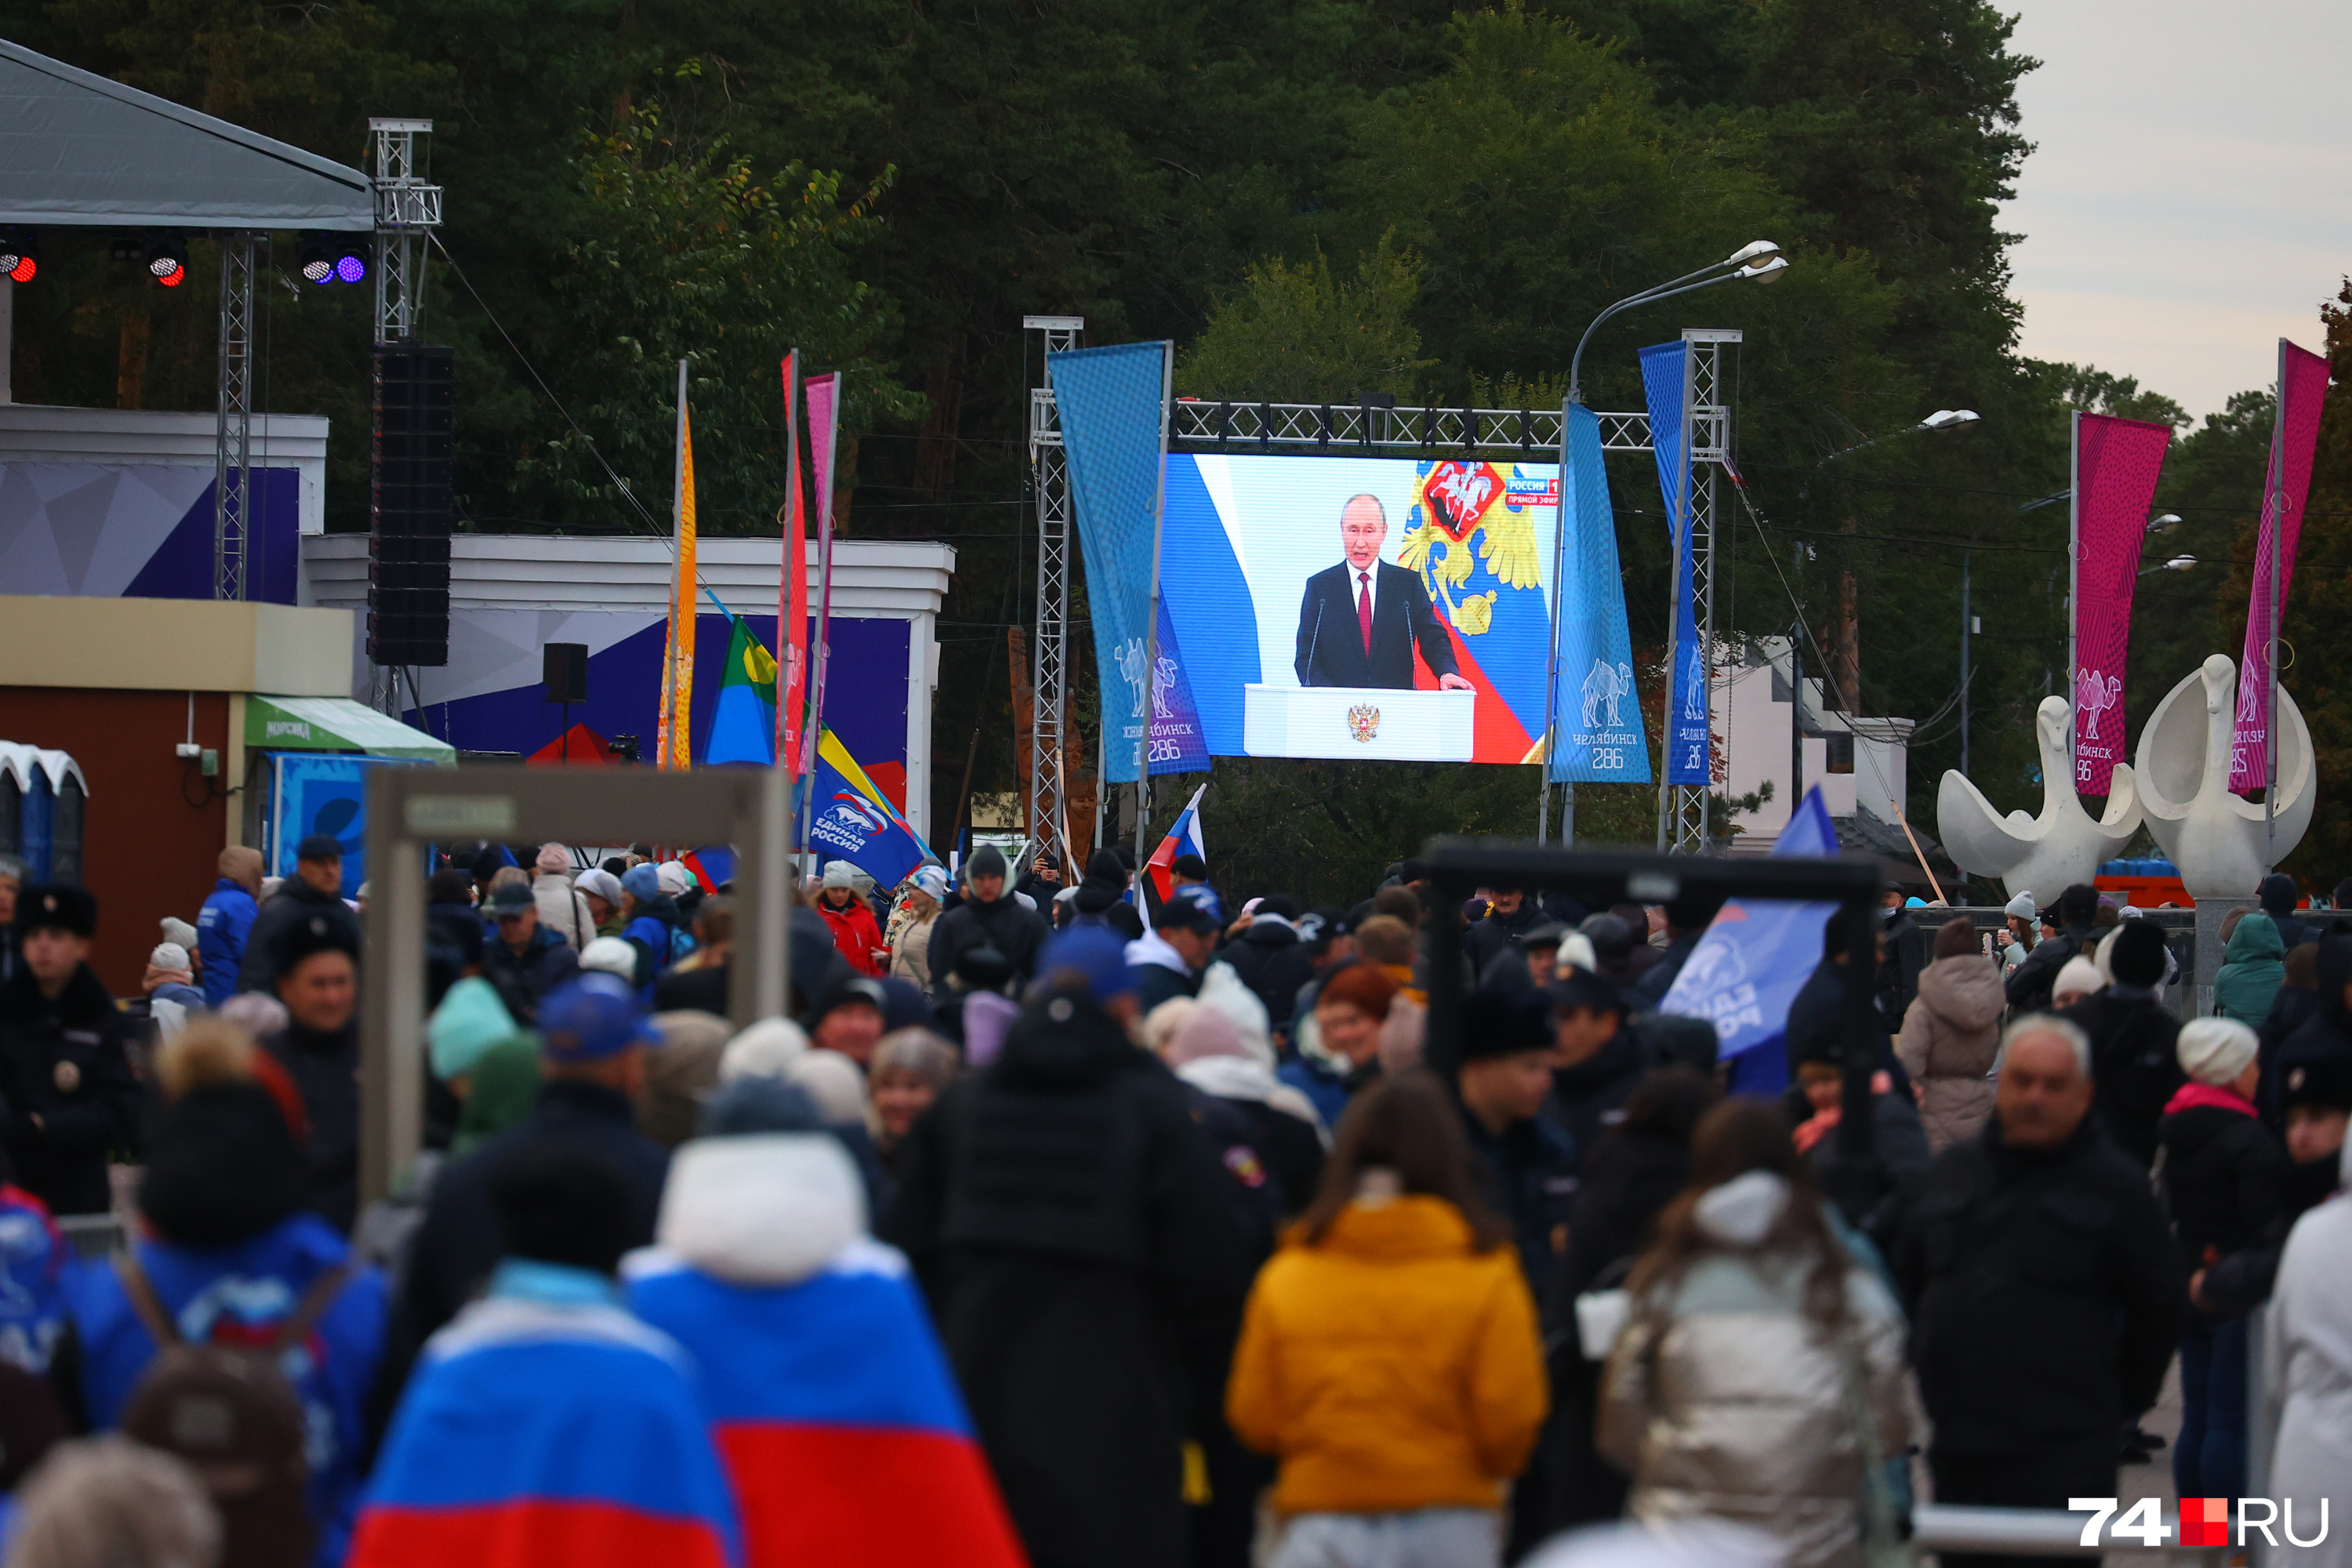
350, 268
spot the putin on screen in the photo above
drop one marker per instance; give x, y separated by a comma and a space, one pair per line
1361, 619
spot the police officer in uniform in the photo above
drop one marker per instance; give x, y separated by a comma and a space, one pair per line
67, 1094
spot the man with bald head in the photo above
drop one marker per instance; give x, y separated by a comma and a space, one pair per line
2044, 1288
1361, 619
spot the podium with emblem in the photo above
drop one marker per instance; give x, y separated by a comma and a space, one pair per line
1376, 723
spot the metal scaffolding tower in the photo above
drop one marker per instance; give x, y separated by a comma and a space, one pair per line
407, 209
1706, 437
1049, 478
233, 422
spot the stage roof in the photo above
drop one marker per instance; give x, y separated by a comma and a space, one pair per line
78, 151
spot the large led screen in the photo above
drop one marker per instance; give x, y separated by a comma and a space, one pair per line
1373, 608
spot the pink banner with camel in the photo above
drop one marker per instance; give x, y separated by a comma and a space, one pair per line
2116, 462
2303, 388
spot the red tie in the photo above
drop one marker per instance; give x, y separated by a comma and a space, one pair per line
1364, 610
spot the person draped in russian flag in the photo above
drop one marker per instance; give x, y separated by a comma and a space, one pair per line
828, 1395
545, 1427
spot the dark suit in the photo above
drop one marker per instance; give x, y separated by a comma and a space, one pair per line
1330, 639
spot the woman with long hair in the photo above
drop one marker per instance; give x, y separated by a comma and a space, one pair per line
1390, 1356
1761, 1377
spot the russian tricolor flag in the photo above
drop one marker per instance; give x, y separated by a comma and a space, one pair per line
1183, 838
832, 1403
540, 1436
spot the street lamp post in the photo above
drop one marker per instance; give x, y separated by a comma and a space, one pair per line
1758, 261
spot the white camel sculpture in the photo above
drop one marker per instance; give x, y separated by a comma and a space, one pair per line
2041, 854
2216, 839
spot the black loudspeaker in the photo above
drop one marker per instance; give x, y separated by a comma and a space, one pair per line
409, 505
564, 666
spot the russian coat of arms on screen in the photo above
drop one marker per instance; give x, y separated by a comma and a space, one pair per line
1457, 503
1363, 722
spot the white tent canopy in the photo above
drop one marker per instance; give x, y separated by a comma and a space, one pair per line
78, 151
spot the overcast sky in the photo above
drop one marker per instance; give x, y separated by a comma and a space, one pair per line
2190, 200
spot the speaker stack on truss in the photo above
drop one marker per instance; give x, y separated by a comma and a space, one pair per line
409, 506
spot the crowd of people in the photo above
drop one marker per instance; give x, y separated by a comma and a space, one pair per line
1059, 1225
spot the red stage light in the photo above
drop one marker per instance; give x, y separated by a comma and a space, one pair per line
25, 270
174, 278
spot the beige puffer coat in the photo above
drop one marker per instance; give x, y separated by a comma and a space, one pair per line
1725, 1400
1951, 1033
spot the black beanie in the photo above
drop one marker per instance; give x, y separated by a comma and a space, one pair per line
1501, 1022
2138, 956
2078, 903
986, 861
223, 1167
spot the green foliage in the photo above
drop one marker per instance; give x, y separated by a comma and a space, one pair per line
683, 251
1294, 335
2094, 391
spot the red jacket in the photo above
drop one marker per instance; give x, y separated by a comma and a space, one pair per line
856, 935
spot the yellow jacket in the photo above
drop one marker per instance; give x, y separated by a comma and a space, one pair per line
1391, 1367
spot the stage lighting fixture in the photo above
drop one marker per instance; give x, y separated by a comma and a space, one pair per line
167, 259
20, 254
351, 260
316, 259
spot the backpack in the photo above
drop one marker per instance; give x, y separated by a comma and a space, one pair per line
231, 1412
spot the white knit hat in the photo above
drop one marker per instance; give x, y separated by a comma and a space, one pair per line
612, 954
764, 1051
840, 874
170, 957
2021, 906
675, 878
2216, 1050
2080, 977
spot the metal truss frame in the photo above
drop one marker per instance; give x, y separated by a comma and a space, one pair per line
1049, 481
1706, 433
407, 209
233, 422
1343, 428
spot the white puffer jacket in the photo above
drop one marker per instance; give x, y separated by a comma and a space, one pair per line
1722, 1398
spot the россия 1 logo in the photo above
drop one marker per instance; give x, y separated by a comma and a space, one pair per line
2204, 1522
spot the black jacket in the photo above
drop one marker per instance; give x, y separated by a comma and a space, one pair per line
1909, 950
1273, 963
1497, 934
2241, 1281
1079, 1241
1527, 1176
326, 1072
1659, 978
2029, 984
2135, 1068
2224, 1180
66, 1062
2044, 1290
1817, 1021
525, 978
458, 1242
1331, 649
294, 900
1626, 1181
1006, 925
1588, 1099
2291, 1009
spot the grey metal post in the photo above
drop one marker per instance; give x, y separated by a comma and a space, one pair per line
1964, 624
2073, 577
2276, 528
1152, 627
233, 422
1552, 681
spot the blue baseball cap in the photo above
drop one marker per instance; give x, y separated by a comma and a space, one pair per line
591, 1018
1095, 953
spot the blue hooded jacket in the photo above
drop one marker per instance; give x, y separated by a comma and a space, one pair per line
222, 927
